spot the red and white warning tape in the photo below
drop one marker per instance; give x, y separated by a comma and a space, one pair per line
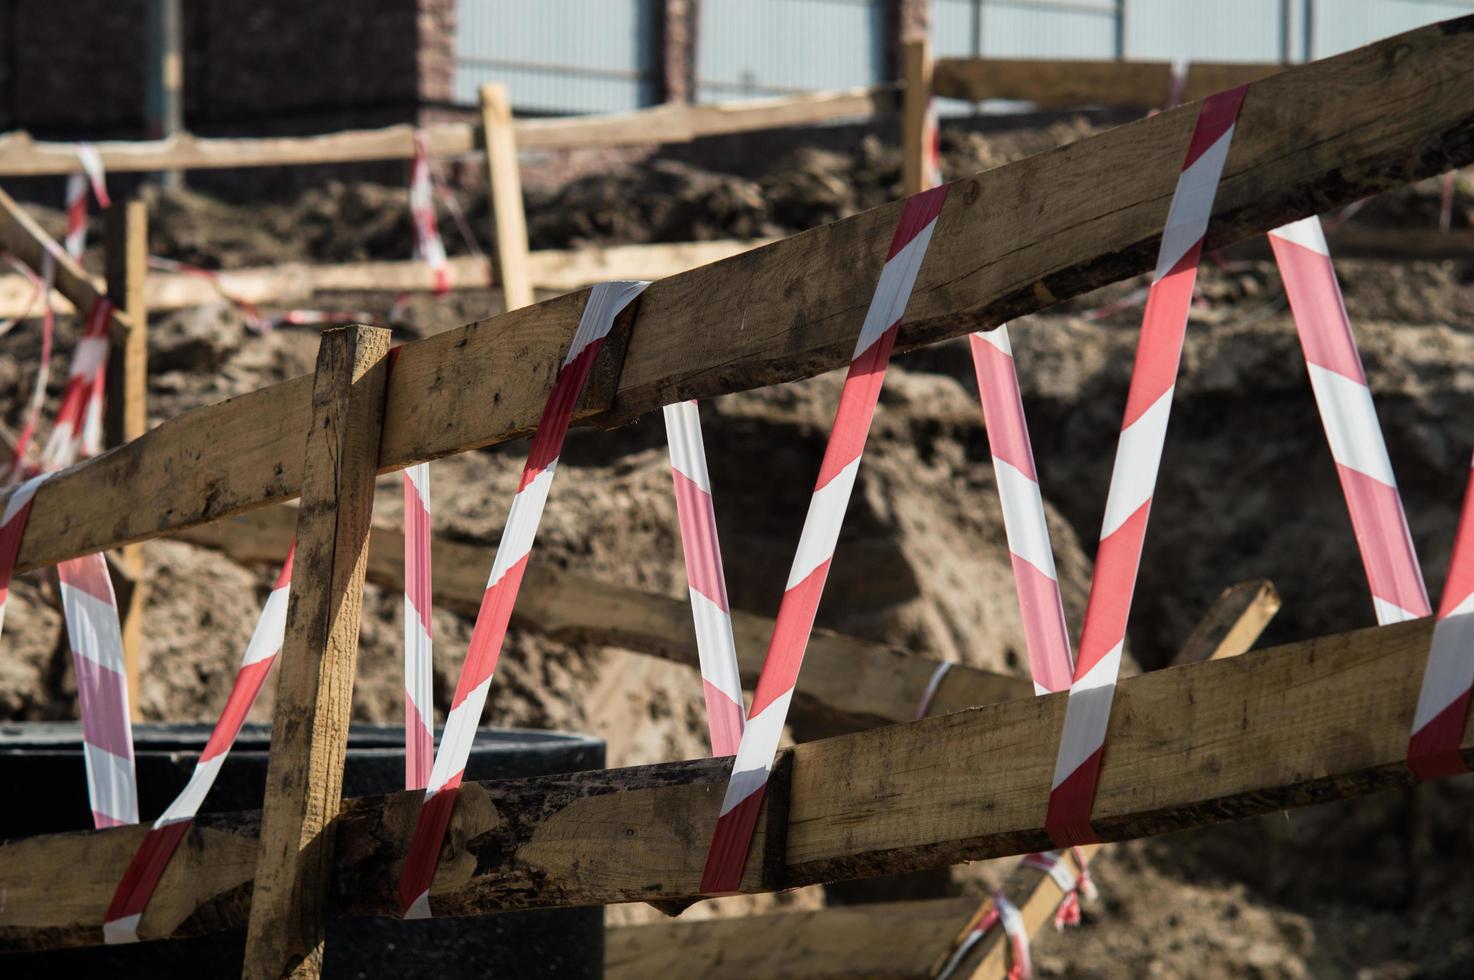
12, 528
1133, 478
81, 401
705, 579
999, 910
1075, 887
428, 246
605, 302
1443, 700
765, 720
1050, 661
419, 669
91, 612
142, 876
1350, 421
76, 200
20, 466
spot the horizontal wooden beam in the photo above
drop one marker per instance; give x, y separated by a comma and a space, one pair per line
1291, 726
1068, 84
889, 939
21, 156
1008, 242
895, 940
848, 684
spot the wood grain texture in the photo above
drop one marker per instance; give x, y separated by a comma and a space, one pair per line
21, 156
916, 72
1274, 729
314, 689
1068, 84
1008, 242
126, 258
504, 182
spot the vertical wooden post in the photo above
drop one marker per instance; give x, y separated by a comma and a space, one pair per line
126, 246
504, 189
314, 688
916, 73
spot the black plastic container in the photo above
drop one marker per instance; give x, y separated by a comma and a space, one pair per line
44, 761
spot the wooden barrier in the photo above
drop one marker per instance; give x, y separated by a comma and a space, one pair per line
503, 177
1071, 84
891, 939
21, 156
1227, 738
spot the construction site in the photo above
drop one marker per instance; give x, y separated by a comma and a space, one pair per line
1013, 513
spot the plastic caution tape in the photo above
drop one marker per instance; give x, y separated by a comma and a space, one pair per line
428, 246
419, 664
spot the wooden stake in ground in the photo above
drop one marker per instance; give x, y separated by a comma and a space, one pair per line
304, 778
126, 244
916, 67
504, 187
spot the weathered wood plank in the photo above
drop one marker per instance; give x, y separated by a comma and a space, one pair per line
314, 689
504, 186
1009, 242
21, 156
126, 245
1068, 84
861, 941
1290, 726
916, 70
1233, 623
848, 684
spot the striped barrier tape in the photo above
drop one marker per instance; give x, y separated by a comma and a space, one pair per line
419, 665
85, 378
605, 302
12, 528
20, 465
705, 580
1443, 700
933, 684
996, 910
76, 197
1133, 478
428, 246
453, 206
1350, 420
249, 310
1075, 887
933, 141
91, 612
765, 719
1034, 575
142, 876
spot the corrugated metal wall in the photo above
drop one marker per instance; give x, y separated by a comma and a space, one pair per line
559, 56
770, 47
569, 56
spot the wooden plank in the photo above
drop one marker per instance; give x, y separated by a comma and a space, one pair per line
1233, 623
1068, 84
314, 692
504, 185
23, 237
21, 156
916, 68
861, 941
127, 402
1010, 241
848, 684
1291, 726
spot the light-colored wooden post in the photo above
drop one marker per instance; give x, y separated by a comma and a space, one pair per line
126, 246
504, 190
314, 688
916, 73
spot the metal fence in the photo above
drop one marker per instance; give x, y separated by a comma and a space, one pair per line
571, 56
